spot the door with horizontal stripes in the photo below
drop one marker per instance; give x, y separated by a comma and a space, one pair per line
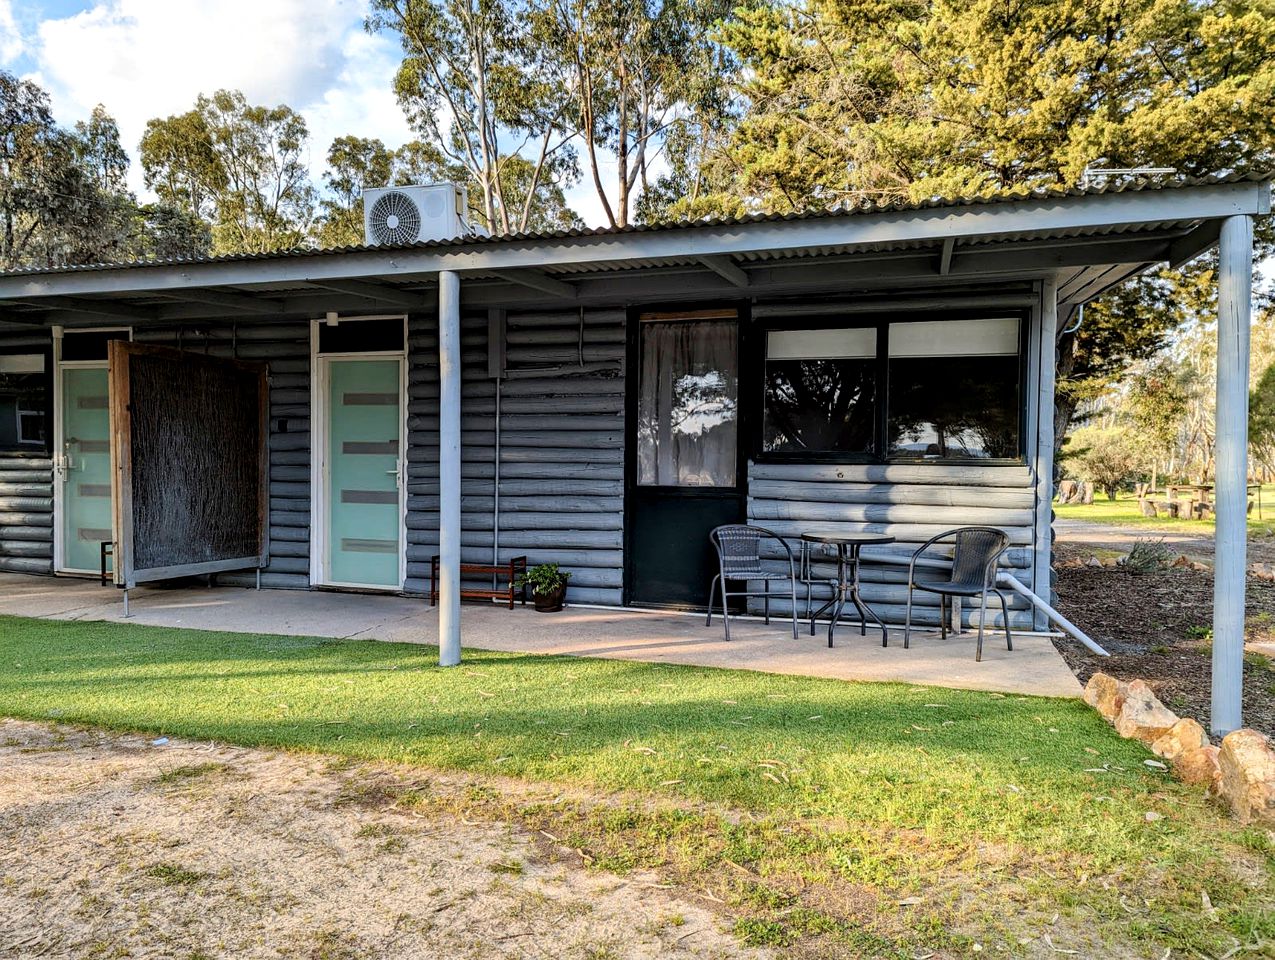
85, 467
363, 490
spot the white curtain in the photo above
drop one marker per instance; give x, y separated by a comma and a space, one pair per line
688, 403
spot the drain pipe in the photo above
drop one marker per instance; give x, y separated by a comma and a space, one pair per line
1004, 578
495, 508
497, 321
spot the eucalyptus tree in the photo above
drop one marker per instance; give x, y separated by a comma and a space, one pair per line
64, 198
640, 73
479, 90
239, 166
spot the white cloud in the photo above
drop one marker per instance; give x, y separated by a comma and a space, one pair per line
151, 58
361, 100
12, 45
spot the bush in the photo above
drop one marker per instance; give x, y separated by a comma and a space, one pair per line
1110, 456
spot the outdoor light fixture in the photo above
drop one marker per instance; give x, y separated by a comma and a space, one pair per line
331, 318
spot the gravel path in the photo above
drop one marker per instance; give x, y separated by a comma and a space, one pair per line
115, 845
1197, 546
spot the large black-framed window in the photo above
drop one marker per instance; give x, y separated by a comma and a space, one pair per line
821, 391
933, 387
26, 401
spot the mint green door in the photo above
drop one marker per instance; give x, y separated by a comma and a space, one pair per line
86, 487
364, 518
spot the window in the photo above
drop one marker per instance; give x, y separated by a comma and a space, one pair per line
688, 403
954, 389
24, 402
820, 391
358, 335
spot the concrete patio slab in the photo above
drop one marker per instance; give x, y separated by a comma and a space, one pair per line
1033, 667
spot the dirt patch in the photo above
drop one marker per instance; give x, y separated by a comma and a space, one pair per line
1157, 627
115, 845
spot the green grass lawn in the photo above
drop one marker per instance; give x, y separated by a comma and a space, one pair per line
1124, 512
809, 807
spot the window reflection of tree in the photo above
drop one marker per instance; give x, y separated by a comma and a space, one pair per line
957, 407
820, 405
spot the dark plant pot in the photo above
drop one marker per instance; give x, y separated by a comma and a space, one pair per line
549, 602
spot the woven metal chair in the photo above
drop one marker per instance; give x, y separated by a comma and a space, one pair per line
975, 553
739, 558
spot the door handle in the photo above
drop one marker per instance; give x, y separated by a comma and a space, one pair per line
396, 473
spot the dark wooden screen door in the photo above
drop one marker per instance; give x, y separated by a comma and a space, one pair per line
685, 476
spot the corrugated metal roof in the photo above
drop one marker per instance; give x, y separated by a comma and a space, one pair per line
858, 209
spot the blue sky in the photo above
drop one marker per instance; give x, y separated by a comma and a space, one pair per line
148, 58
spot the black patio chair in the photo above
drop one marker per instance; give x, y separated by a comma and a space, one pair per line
739, 558
975, 553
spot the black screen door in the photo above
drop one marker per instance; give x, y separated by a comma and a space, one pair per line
685, 475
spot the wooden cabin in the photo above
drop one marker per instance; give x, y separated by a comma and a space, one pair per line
888, 368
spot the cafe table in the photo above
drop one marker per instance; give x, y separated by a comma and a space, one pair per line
846, 587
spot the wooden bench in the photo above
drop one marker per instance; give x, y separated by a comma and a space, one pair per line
510, 571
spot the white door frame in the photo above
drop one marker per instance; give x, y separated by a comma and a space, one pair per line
320, 468
59, 439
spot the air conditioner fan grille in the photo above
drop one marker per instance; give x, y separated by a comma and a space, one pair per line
394, 219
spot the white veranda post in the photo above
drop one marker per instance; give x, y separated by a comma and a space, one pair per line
1234, 309
449, 374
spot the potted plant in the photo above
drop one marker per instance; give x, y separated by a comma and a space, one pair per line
548, 586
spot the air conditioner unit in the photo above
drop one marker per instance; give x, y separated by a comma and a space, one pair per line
399, 215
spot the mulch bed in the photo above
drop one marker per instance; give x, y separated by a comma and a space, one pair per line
1157, 627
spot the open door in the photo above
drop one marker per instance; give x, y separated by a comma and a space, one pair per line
189, 451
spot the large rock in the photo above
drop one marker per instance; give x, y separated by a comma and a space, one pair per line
1198, 766
1106, 694
1184, 736
1143, 717
1247, 762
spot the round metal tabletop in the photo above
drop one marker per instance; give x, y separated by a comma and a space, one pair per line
847, 538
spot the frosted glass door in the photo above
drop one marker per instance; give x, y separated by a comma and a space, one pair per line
86, 489
364, 418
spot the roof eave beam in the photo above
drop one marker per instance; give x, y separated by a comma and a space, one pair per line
1189, 246
945, 256
219, 298
727, 269
369, 290
97, 308
536, 280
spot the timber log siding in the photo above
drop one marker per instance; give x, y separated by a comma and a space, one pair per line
910, 502
26, 495
561, 463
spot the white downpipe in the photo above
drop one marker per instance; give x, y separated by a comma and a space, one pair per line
449, 375
1234, 314
1011, 581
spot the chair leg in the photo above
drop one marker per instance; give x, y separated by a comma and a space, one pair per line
907, 620
712, 590
982, 616
765, 586
944, 600
1009, 641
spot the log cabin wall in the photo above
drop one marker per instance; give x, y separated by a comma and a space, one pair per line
561, 465
910, 502
26, 492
